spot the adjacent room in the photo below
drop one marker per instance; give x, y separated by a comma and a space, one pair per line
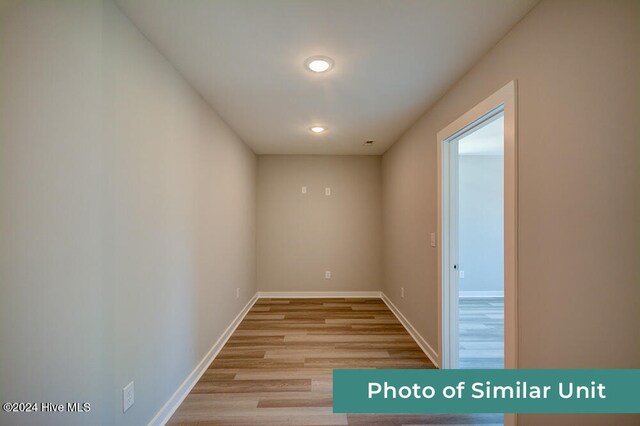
480, 213
207, 206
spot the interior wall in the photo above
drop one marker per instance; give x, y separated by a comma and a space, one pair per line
127, 216
52, 336
481, 223
300, 236
577, 68
184, 191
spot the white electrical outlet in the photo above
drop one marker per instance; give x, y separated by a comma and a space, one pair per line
327, 275
461, 274
128, 397
433, 239
304, 189
402, 292
237, 292
327, 191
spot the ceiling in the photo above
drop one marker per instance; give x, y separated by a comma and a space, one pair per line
393, 59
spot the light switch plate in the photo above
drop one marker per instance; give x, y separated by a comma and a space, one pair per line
433, 239
327, 275
304, 189
327, 191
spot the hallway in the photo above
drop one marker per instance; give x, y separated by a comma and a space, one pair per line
207, 206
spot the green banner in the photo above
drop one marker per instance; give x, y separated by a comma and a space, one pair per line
486, 391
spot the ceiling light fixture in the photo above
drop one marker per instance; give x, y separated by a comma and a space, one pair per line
318, 64
317, 129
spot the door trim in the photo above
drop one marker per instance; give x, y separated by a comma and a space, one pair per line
505, 97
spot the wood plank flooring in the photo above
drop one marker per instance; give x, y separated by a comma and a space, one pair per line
276, 369
481, 332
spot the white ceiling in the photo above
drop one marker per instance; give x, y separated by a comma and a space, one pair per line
487, 140
393, 59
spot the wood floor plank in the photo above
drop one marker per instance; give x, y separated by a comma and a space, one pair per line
377, 320
235, 338
408, 345
257, 363
326, 353
403, 353
283, 344
429, 419
263, 323
370, 308
347, 338
305, 373
387, 363
231, 352
260, 309
350, 330
270, 332
336, 315
295, 402
243, 386
281, 420
199, 406
260, 316
277, 367
256, 396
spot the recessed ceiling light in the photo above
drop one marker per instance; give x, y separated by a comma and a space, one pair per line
318, 64
317, 129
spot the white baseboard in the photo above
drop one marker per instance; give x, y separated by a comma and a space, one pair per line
481, 294
318, 294
181, 393
426, 348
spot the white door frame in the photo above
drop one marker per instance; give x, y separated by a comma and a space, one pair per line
504, 98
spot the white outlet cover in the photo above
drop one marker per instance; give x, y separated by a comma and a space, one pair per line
128, 397
327, 191
402, 292
433, 239
327, 275
461, 274
304, 189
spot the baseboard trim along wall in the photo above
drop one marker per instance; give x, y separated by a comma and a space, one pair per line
181, 393
318, 294
426, 348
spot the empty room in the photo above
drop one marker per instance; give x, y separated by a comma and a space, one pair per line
319, 212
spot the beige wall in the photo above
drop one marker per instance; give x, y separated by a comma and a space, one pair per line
577, 67
127, 216
184, 221
300, 236
52, 272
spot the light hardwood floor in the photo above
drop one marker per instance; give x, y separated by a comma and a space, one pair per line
276, 369
481, 332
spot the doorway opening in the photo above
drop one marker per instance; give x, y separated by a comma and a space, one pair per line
478, 191
477, 212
